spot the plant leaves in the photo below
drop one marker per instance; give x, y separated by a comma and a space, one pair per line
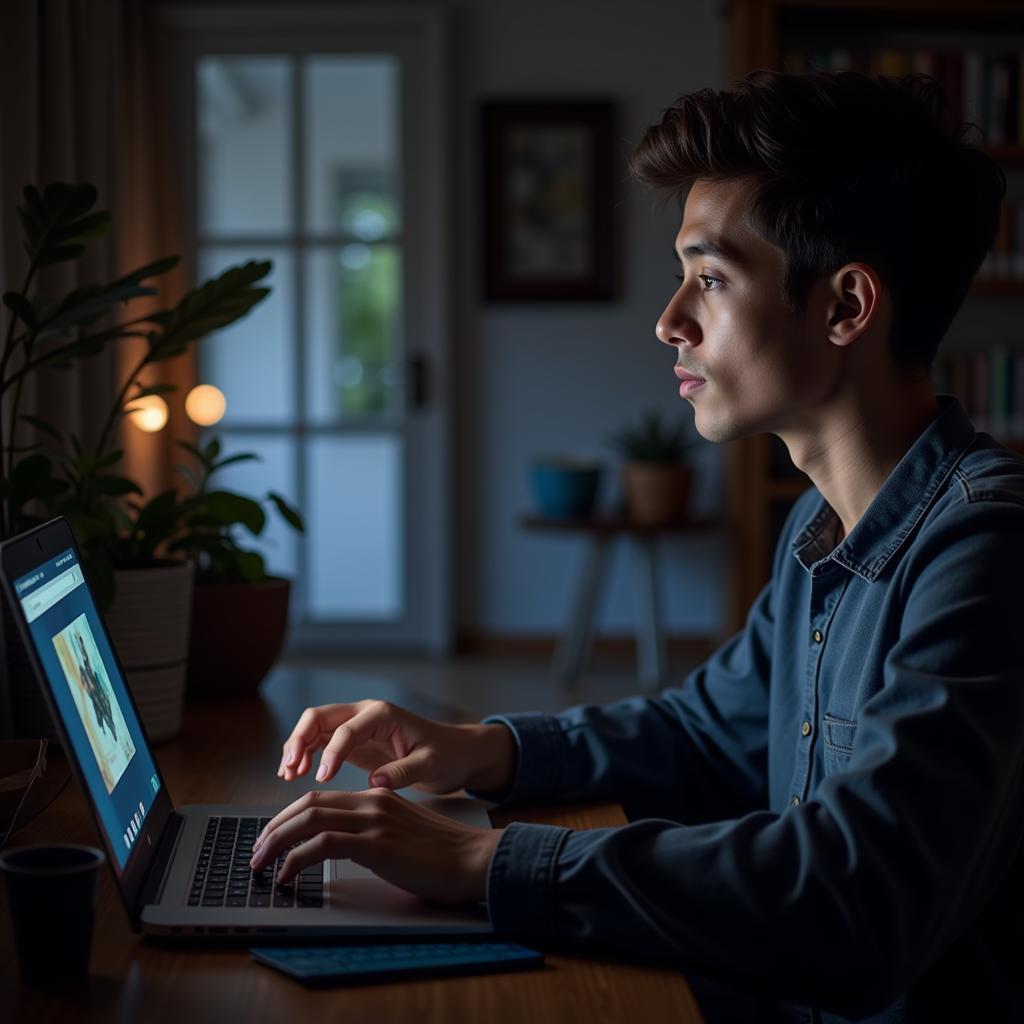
22, 309
42, 426
289, 513
115, 486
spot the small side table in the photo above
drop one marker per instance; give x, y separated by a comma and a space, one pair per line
574, 644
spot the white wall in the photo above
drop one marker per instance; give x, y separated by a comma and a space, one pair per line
558, 378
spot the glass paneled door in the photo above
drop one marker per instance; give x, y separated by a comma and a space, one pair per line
319, 148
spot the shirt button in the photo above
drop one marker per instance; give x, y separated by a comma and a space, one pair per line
795, 801
805, 729
817, 636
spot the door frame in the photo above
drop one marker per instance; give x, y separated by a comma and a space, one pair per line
417, 36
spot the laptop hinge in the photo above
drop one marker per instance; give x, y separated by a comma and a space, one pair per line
153, 887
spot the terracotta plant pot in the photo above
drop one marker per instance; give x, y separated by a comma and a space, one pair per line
657, 493
149, 625
237, 633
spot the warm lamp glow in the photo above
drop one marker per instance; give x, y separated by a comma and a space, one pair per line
205, 405
148, 413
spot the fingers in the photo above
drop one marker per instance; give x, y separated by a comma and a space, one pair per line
312, 728
419, 766
310, 822
375, 717
345, 845
304, 803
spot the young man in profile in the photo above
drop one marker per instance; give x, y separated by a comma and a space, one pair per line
827, 814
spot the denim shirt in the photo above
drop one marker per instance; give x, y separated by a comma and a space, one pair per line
827, 812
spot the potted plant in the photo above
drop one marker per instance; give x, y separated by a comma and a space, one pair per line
239, 612
655, 478
61, 473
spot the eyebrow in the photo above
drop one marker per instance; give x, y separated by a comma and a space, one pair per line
708, 247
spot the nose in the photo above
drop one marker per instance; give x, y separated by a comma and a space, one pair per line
675, 326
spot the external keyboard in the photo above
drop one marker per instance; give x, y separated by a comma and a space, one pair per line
328, 965
223, 877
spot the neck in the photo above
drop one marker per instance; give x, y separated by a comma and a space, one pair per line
849, 445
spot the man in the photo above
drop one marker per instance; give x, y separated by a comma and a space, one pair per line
827, 814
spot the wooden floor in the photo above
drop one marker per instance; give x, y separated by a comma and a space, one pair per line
482, 685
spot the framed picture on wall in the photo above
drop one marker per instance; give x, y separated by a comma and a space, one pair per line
547, 193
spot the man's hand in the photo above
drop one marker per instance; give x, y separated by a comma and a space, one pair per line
398, 748
410, 846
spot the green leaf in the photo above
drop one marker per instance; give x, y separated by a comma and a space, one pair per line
116, 486
153, 389
21, 308
231, 508
241, 457
289, 513
213, 305
42, 426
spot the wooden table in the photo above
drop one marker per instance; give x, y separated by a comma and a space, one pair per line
229, 751
600, 531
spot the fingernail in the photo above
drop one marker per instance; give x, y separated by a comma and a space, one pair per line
321, 772
289, 757
379, 780
257, 844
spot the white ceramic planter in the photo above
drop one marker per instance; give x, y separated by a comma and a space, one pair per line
149, 624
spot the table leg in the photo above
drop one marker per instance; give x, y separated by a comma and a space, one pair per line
650, 642
574, 644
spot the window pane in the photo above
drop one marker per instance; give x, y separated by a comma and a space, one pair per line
354, 318
244, 145
355, 528
274, 472
351, 118
253, 360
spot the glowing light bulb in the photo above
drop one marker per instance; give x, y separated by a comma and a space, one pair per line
148, 413
205, 405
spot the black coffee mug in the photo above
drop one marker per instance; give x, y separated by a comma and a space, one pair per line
52, 895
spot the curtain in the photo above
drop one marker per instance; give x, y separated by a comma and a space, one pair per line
80, 100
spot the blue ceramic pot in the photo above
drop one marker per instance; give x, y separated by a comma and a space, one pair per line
565, 489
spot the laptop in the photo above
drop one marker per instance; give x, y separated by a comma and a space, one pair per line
183, 871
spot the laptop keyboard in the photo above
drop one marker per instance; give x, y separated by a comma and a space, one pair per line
223, 877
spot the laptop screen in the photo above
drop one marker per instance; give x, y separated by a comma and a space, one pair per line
90, 694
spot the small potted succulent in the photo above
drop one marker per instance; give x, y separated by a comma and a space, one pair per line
655, 477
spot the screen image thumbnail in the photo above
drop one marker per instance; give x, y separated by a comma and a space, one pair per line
94, 698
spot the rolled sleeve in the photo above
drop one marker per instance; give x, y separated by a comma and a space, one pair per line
541, 750
521, 877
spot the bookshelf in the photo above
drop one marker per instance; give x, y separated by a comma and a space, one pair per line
975, 48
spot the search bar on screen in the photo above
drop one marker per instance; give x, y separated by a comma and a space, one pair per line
43, 599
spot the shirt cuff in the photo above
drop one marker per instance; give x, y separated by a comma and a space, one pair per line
521, 877
542, 751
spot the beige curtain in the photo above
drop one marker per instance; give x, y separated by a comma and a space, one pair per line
80, 101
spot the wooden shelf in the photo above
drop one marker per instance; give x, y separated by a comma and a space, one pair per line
760, 485
1002, 286
787, 488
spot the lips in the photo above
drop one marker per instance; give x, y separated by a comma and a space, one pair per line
684, 375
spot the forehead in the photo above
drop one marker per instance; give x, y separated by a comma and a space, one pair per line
720, 211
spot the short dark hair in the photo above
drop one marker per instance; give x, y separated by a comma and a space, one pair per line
845, 166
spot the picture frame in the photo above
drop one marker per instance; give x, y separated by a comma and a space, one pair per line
547, 192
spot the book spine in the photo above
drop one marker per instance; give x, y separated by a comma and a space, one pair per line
980, 367
997, 391
973, 92
1012, 97
999, 92
1018, 395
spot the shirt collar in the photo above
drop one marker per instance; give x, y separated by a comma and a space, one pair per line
897, 507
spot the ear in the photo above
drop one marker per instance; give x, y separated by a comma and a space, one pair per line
854, 303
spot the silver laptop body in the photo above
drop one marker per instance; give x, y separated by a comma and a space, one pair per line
153, 847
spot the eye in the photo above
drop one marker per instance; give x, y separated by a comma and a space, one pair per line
704, 279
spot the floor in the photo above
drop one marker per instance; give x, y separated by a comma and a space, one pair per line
480, 685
